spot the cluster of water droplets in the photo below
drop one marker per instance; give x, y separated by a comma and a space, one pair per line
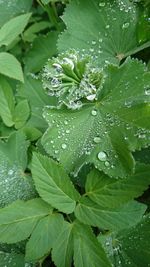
72, 79
10, 259
13, 184
114, 250
10, 7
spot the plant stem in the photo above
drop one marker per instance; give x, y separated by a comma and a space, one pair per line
51, 11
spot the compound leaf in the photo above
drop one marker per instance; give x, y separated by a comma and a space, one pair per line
109, 192
15, 149
13, 8
87, 251
18, 220
7, 102
21, 113
53, 184
14, 183
45, 235
63, 248
10, 66
104, 132
118, 218
11, 29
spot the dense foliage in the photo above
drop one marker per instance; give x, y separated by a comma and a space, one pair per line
74, 133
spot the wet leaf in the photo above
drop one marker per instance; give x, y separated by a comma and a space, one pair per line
105, 131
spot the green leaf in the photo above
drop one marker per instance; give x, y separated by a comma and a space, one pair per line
7, 102
109, 33
10, 66
105, 131
45, 2
44, 235
118, 218
15, 149
14, 182
10, 9
143, 155
109, 192
143, 25
11, 259
18, 220
13, 28
87, 251
44, 47
53, 184
21, 113
63, 248
32, 90
32, 133
32, 31
130, 247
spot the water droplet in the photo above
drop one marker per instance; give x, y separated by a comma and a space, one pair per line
102, 4
102, 156
65, 122
10, 172
69, 62
55, 82
64, 146
97, 140
147, 91
57, 66
125, 25
142, 136
107, 164
91, 97
93, 42
94, 112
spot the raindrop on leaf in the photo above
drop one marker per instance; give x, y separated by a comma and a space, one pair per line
102, 156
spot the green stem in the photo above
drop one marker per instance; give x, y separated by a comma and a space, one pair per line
51, 14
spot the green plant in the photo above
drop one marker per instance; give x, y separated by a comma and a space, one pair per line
75, 131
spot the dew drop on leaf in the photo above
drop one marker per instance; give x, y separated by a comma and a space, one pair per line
97, 140
65, 122
64, 146
107, 164
10, 172
69, 62
94, 112
55, 82
101, 4
102, 156
147, 91
91, 97
93, 42
125, 25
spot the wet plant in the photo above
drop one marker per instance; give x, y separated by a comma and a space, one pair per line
74, 133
